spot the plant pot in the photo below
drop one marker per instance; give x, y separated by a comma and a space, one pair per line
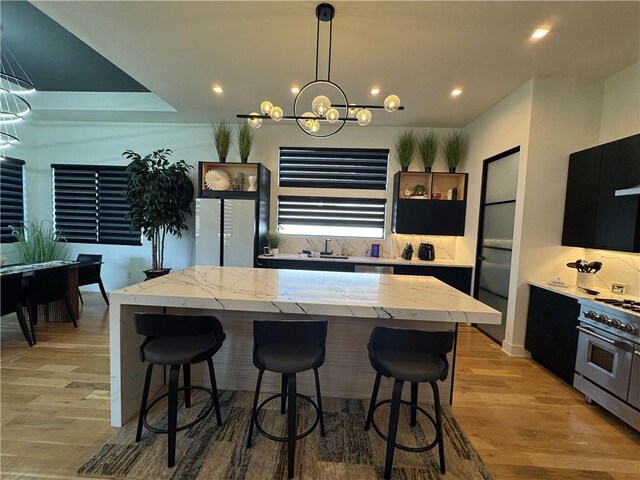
427, 169
223, 159
275, 251
151, 274
244, 159
405, 169
452, 169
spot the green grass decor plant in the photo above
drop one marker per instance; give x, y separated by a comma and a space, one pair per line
246, 135
454, 148
39, 242
222, 138
405, 145
428, 144
274, 238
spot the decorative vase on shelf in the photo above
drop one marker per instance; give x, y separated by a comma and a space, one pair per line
452, 169
427, 169
252, 183
275, 251
405, 169
244, 159
223, 159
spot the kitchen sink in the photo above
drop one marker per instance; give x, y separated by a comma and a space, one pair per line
337, 257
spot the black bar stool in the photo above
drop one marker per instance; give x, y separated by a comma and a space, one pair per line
408, 356
288, 348
178, 340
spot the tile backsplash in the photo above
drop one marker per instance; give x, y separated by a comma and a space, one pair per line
390, 247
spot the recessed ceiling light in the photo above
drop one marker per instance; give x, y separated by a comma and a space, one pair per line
540, 32
217, 89
375, 91
295, 90
456, 92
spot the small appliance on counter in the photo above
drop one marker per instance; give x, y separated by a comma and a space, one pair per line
407, 253
427, 251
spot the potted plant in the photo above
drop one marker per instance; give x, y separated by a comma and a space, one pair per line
246, 135
428, 148
159, 195
274, 240
39, 242
419, 190
405, 145
454, 148
222, 137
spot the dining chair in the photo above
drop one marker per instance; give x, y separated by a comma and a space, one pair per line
10, 292
90, 274
46, 286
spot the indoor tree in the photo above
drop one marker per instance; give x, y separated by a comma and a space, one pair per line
159, 194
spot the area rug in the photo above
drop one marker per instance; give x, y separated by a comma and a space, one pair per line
206, 451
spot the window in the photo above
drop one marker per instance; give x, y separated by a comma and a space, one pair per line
11, 197
89, 206
331, 216
352, 168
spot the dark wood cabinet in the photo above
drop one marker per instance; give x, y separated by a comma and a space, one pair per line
431, 213
594, 216
552, 337
456, 277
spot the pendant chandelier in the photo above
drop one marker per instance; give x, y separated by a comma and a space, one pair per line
15, 84
321, 107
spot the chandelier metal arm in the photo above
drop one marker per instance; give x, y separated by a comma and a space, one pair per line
291, 117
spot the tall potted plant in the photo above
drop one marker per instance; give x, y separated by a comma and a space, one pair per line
428, 147
246, 135
159, 194
454, 148
405, 145
222, 137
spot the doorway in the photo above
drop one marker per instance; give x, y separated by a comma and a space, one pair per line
495, 236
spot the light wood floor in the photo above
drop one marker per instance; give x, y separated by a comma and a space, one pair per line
525, 423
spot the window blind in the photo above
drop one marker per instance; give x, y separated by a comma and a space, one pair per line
11, 197
89, 207
331, 216
351, 168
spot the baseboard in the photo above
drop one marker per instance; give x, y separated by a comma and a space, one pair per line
515, 350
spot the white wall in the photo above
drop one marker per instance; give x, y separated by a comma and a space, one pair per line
621, 105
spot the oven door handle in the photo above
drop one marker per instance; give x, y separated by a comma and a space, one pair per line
621, 345
636, 352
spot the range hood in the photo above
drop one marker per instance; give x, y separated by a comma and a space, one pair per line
628, 191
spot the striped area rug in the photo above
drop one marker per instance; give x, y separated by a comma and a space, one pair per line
347, 452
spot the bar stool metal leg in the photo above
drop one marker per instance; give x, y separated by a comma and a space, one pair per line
394, 413
143, 403
186, 373
436, 404
214, 390
372, 404
291, 422
414, 402
283, 390
254, 410
319, 397
172, 419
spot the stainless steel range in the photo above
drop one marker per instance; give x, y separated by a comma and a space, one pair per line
608, 358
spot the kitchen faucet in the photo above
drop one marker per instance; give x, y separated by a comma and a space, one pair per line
326, 248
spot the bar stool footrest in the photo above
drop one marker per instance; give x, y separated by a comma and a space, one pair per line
206, 411
286, 439
399, 445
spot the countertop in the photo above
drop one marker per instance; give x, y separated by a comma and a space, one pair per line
345, 294
368, 260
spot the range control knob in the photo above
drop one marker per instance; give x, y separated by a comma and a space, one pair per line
590, 314
615, 323
627, 327
602, 318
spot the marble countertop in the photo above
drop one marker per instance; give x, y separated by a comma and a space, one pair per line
368, 260
363, 295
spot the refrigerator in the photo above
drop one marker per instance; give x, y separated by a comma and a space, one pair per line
226, 232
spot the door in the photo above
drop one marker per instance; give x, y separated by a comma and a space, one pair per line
207, 232
495, 235
239, 233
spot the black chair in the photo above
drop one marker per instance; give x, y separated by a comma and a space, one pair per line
178, 341
408, 356
11, 292
288, 348
46, 286
90, 274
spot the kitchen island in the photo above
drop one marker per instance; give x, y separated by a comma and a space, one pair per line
353, 303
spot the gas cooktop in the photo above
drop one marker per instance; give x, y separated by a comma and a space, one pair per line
631, 305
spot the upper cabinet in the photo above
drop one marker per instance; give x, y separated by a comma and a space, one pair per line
594, 217
427, 203
233, 180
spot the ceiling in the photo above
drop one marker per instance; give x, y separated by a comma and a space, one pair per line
417, 50
54, 59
